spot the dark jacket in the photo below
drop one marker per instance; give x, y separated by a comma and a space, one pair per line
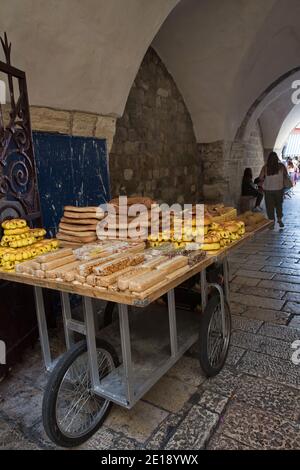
249, 188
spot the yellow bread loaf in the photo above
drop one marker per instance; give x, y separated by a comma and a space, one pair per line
14, 224
212, 237
210, 246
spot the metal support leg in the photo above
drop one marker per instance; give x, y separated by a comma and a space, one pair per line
126, 350
91, 341
42, 324
96, 317
226, 280
67, 316
222, 301
172, 323
203, 289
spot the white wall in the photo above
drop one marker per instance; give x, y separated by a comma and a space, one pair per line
81, 54
84, 54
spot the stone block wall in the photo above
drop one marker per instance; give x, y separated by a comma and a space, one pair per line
224, 164
70, 123
243, 155
214, 183
154, 150
254, 157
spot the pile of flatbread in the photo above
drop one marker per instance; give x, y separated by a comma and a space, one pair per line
120, 224
78, 225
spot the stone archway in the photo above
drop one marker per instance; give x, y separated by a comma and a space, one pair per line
154, 151
282, 87
290, 122
268, 121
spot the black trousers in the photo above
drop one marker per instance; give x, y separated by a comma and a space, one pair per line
274, 201
259, 198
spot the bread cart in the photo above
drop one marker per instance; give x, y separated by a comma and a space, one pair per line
119, 365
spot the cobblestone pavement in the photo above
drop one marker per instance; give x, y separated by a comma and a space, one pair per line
254, 403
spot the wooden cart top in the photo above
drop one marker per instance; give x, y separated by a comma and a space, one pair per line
144, 298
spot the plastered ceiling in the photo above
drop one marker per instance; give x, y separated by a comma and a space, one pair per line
84, 55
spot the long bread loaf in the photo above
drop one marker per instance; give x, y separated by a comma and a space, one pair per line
86, 267
143, 282
55, 255
69, 276
117, 265
123, 281
106, 281
172, 264
57, 263
153, 263
62, 270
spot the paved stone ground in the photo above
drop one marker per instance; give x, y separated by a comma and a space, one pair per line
254, 403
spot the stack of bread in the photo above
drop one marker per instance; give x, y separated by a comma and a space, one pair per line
222, 235
220, 213
20, 243
78, 225
121, 221
190, 231
252, 220
211, 236
182, 234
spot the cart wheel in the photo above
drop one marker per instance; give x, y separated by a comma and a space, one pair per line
214, 342
71, 412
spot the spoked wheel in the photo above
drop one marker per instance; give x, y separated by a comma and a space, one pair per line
71, 412
214, 337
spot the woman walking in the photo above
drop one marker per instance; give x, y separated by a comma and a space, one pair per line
291, 170
273, 175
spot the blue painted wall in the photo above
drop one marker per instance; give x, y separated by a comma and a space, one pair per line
71, 171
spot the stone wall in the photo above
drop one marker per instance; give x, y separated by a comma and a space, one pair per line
214, 184
224, 164
254, 156
154, 151
70, 122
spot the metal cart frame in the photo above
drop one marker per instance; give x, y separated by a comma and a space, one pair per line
125, 384
130, 394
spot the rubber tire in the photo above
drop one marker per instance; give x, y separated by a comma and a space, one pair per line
52, 388
205, 364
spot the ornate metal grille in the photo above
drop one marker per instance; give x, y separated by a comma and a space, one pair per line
18, 183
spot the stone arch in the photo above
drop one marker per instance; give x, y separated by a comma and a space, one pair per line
290, 122
154, 151
280, 87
